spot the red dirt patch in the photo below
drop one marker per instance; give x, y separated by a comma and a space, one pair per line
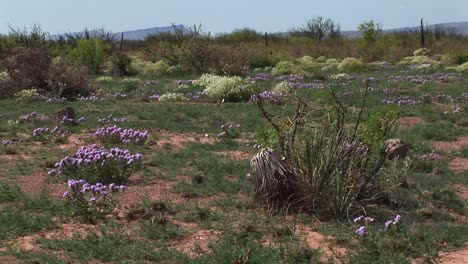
462, 191
177, 140
406, 122
196, 244
451, 145
459, 164
157, 190
236, 154
455, 257
36, 183
317, 241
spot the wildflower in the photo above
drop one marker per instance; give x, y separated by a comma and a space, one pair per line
361, 231
387, 224
397, 219
359, 218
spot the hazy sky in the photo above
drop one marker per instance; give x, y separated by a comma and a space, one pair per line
58, 16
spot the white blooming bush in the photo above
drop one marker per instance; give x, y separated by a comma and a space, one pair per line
105, 79
227, 88
173, 97
350, 64
160, 67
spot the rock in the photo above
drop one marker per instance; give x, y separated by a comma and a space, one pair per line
67, 112
34, 116
396, 148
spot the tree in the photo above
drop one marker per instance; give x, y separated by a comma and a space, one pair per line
370, 31
318, 28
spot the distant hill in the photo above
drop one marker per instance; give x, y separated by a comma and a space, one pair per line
458, 27
138, 34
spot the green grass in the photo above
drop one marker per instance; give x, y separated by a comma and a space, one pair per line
217, 196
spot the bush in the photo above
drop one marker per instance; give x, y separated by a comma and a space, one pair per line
115, 134
105, 79
131, 84
160, 67
91, 53
459, 58
26, 96
283, 68
227, 88
422, 52
463, 67
99, 165
68, 79
328, 168
350, 65
173, 97
92, 202
283, 87
121, 64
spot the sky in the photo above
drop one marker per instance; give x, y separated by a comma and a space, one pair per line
217, 16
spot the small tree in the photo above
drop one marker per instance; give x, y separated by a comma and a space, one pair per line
318, 28
91, 53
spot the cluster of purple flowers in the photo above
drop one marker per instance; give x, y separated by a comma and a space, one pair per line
114, 165
419, 79
267, 95
111, 119
67, 119
362, 231
116, 134
154, 96
151, 82
120, 95
197, 95
309, 85
56, 100
388, 91
189, 82
56, 131
92, 200
229, 130
91, 98
395, 222
259, 77
433, 156
400, 100
289, 78
7, 142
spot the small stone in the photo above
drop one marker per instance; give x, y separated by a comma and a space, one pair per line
396, 148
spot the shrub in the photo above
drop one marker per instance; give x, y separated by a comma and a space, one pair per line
283, 68
115, 134
350, 65
283, 87
91, 53
92, 202
463, 67
160, 67
27, 96
422, 52
121, 64
173, 97
459, 58
227, 88
105, 79
69, 80
48, 135
131, 84
328, 168
99, 165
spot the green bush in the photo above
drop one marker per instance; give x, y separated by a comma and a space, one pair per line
283, 68
459, 58
422, 52
131, 84
225, 88
92, 53
350, 65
